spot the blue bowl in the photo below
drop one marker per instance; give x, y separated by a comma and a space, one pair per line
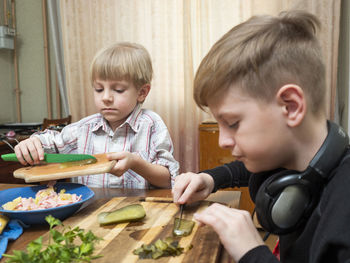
36, 217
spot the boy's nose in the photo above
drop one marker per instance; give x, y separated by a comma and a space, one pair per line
107, 96
225, 140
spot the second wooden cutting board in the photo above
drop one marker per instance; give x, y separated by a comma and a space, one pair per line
119, 240
50, 172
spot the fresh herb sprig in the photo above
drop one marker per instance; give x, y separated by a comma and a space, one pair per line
62, 246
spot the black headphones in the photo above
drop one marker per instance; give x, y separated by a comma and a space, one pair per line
286, 199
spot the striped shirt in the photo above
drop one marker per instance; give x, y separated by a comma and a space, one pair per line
143, 133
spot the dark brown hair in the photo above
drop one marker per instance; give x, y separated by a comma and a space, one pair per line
261, 55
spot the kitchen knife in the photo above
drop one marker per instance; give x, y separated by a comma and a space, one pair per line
176, 230
53, 157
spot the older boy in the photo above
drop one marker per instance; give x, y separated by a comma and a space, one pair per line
137, 138
264, 83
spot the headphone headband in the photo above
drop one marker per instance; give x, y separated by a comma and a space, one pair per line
331, 151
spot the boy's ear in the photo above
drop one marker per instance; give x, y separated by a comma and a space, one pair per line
292, 99
143, 92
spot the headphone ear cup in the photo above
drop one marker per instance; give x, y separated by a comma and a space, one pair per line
263, 202
281, 202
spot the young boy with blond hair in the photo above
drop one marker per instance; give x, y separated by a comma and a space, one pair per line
264, 82
137, 138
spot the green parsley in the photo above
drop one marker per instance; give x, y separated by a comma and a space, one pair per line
62, 246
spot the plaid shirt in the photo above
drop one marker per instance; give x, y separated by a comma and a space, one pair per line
143, 133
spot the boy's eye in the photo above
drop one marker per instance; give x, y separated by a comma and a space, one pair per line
119, 90
97, 87
234, 125
98, 90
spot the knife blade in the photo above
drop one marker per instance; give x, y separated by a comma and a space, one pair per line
181, 213
176, 230
53, 157
181, 210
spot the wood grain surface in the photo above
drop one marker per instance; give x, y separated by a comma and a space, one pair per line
52, 171
119, 240
102, 196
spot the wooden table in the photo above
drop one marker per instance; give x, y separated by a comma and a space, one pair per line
231, 198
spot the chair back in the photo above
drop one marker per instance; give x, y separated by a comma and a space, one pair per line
56, 124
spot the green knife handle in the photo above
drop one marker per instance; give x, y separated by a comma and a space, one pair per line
9, 157
12, 157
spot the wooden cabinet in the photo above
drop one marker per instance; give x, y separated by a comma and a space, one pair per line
211, 155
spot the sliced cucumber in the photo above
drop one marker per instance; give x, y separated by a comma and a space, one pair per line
128, 213
182, 227
77, 163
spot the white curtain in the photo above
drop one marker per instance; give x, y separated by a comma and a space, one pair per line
177, 33
54, 17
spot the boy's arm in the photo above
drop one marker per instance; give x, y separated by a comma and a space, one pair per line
229, 175
161, 151
29, 151
259, 254
157, 164
155, 174
191, 187
63, 142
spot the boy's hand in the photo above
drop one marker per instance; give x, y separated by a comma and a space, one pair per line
30, 151
235, 228
191, 187
125, 161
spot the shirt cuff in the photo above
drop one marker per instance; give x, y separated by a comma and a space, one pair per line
220, 181
260, 254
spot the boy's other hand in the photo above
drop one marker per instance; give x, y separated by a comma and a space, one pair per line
191, 187
125, 161
235, 228
30, 151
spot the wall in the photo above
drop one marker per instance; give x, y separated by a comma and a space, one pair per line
31, 67
7, 97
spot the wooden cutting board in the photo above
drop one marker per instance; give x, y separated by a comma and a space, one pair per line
119, 240
52, 171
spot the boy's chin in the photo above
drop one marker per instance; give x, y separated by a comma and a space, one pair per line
112, 120
110, 117
253, 168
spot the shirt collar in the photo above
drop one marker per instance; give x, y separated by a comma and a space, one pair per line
103, 125
131, 121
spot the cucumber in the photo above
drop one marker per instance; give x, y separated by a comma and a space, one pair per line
77, 163
182, 227
161, 248
128, 213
